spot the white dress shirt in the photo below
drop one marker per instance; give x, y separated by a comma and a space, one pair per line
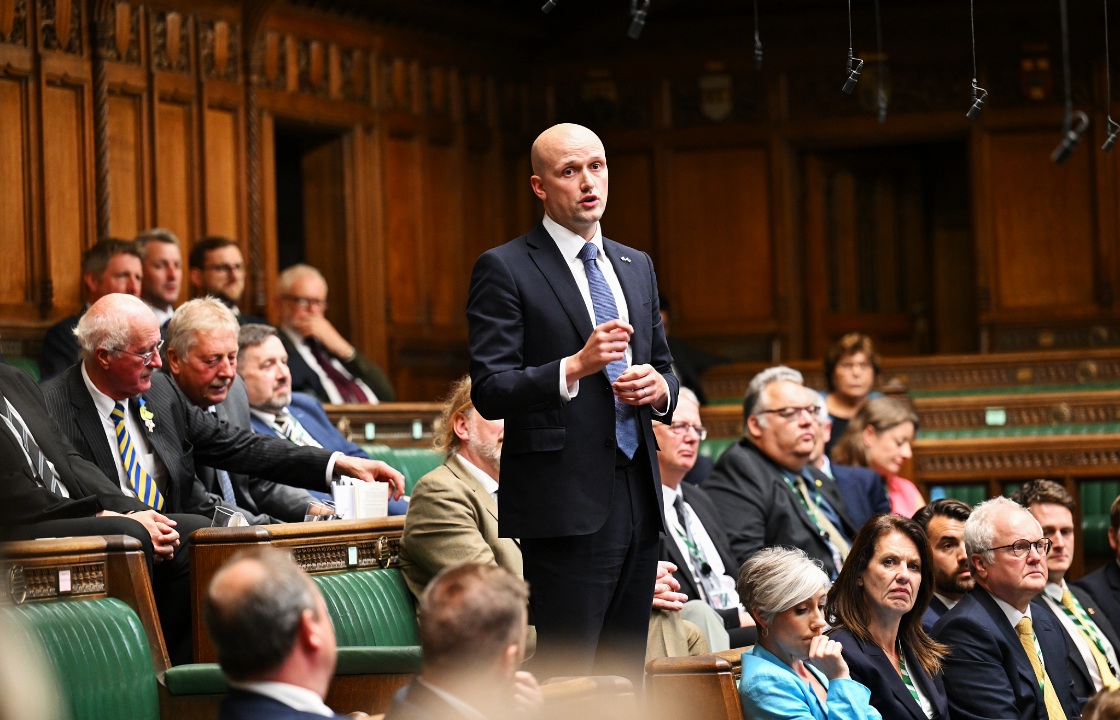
300, 344
294, 696
1052, 595
488, 483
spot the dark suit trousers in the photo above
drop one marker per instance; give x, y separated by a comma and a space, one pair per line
591, 595
171, 580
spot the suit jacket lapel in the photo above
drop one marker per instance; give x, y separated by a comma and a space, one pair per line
999, 620
631, 282
469, 480
554, 267
89, 424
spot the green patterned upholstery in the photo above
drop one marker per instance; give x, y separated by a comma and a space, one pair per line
370, 607
100, 654
1096, 501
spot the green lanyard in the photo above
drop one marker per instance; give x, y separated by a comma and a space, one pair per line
906, 676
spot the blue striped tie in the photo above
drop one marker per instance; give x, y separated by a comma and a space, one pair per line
602, 299
142, 483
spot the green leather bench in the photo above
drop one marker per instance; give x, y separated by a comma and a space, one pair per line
413, 463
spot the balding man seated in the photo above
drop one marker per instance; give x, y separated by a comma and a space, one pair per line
765, 489
274, 638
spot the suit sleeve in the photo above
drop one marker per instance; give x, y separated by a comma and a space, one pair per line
441, 528
60, 350
742, 506
504, 382
661, 358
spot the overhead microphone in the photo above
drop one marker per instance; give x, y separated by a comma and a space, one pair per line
853, 72
1114, 130
979, 95
548, 6
757, 52
637, 17
1072, 135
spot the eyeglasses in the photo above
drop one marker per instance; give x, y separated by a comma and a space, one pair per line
789, 413
225, 269
146, 357
1019, 548
305, 303
681, 427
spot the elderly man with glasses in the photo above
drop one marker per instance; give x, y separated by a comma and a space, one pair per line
765, 489
1006, 659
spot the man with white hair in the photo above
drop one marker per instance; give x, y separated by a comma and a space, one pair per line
1005, 661
322, 361
765, 489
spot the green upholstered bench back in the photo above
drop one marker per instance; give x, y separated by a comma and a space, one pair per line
370, 607
100, 654
714, 447
414, 463
1017, 431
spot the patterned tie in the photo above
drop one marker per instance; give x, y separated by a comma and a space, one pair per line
1092, 636
1054, 709
350, 391
44, 469
289, 428
224, 481
602, 300
142, 483
700, 567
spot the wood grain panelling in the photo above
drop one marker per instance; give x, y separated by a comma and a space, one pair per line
174, 197
1042, 224
126, 187
221, 176
64, 183
715, 250
15, 279
324, 224
446, 271
629, 216
403, 207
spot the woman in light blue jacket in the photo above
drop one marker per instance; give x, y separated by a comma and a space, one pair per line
794, 672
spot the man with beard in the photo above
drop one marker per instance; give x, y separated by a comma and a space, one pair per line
279, 412
943, 521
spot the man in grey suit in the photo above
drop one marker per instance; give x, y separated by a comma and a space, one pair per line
202, 355
133, 423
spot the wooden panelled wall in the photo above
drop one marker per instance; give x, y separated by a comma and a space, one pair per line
779, 212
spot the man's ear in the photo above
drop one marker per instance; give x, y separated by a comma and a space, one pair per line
538, 186
511, 659
90, 282
978, 565
460, 427
754, 428
308, 634
196, 279
174, 362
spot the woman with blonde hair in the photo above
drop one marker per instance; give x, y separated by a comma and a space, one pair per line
794, 671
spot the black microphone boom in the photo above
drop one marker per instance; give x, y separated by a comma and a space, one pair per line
853, 73
979, 95
1114, 130
1071, 137
637, 17
548, 6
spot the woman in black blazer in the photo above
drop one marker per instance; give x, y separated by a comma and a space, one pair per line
876, 609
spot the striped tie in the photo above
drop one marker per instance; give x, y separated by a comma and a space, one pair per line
602, 301
44, 469
1092, 636
142, 483
1054, 709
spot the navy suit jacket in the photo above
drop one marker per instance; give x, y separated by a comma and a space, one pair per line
243, 705
1103, 584
181, 434
933, 613
417, 702
863, 492
1082, 681
869, 666
525, 314
60, 347
988, 670
759, 509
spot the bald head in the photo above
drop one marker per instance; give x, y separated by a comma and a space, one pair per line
119, 340
570, 177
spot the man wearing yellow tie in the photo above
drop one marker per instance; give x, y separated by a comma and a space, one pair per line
1006, 659
1092, 639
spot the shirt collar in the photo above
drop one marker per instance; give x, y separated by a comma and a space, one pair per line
1054, 591
101, 401
466, 710
1013, 615
488, 483
570, 243
294, 696
949, 602
670, 495
267, 417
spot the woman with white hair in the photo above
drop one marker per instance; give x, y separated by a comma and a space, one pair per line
794, 671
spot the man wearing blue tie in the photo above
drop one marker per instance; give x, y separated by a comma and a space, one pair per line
567, 346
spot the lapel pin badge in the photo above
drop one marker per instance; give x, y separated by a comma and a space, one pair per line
624, 258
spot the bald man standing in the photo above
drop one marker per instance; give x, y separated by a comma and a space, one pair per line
567, 347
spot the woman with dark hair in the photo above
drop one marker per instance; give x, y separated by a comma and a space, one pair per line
851, 367
876, 609
879, 437
794, 671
